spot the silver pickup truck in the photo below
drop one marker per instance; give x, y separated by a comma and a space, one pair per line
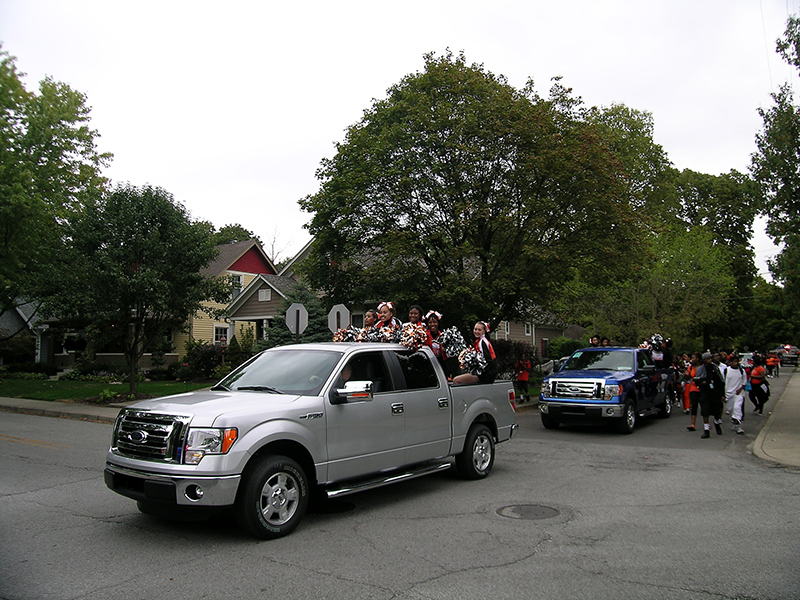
296, 421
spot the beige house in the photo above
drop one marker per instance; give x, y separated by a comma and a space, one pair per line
243, 262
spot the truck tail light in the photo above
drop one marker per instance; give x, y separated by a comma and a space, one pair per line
512, 399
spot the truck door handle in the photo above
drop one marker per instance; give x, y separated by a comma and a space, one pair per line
398, 408
444, 403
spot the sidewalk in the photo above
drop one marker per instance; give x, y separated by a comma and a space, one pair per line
779, 438
778, 441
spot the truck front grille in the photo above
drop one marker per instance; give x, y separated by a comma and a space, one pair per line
150, 436
577, 389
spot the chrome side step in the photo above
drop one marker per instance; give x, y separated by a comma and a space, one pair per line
389, 478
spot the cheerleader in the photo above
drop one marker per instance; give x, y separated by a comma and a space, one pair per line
386, 318
483, 346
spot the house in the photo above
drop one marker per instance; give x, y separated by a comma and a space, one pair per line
244, 262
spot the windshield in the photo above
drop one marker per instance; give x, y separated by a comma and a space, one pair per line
278, 371
600, 360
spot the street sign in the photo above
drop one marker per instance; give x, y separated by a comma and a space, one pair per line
297, 318
338, 318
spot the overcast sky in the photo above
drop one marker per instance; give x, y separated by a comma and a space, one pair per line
230, 106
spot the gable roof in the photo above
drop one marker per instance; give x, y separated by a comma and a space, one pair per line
288, 268
248, 256
281, 284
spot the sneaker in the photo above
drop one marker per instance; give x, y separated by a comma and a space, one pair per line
740, 431
718, 427
706, 434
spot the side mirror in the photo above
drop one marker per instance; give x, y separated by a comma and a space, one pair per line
353, 391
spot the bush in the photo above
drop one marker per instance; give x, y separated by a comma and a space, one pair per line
563, 346
24, 376
202, 358
33, 367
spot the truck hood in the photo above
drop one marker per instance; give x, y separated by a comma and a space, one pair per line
614, 375
206, 406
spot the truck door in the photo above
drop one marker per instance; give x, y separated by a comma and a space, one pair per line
366, 436
647, 380
426, 404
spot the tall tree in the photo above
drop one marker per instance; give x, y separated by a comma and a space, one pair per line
228, 234
463, 193
49, 167
136, 260
776, 167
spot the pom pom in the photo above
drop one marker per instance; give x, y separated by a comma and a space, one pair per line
348, 334
471, 361
413, 336
451, 341
370, 334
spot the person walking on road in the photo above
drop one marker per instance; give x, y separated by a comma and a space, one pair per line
711, 384
735, 381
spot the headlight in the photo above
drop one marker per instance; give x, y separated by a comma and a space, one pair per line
200, 442
610, 391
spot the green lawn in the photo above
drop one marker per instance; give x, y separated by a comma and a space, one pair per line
83, 390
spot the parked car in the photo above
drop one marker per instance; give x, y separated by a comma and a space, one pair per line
300, 421
789, 355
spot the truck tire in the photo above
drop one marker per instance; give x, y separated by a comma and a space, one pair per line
628, 420
665, 410
273, 498
549, 422
477, 458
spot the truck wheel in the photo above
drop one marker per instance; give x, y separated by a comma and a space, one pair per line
273, 498
477, 458
549, 422
665, 410
628, 420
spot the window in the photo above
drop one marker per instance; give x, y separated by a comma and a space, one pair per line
220, 335
264, 295
370, 366
236, 286
418, 370
528, 329
358, 320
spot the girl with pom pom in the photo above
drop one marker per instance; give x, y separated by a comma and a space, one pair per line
386, 318
484, 347
432, 334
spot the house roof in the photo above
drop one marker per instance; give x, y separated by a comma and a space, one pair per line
288, 268
232, 254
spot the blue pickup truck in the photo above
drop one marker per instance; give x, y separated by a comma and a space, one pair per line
606, 384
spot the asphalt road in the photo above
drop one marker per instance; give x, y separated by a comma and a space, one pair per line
572, 513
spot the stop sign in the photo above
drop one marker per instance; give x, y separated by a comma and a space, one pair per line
297, 318
338, 318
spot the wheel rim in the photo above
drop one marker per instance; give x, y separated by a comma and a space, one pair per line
630, 416
279, 498
482, 452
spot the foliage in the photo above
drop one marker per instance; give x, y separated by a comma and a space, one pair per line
26, 376
563, 346
776, 167
32, 367
136, 259
201, 359
228, 234
509, 352
49, 167
460, 192
234, 355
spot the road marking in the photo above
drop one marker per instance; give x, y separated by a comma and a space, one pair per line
39, 443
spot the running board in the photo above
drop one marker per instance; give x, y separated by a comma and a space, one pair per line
404, 475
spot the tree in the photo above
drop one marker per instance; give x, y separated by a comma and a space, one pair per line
228, 234
49, 167
136, 260
776, 167
462, 193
